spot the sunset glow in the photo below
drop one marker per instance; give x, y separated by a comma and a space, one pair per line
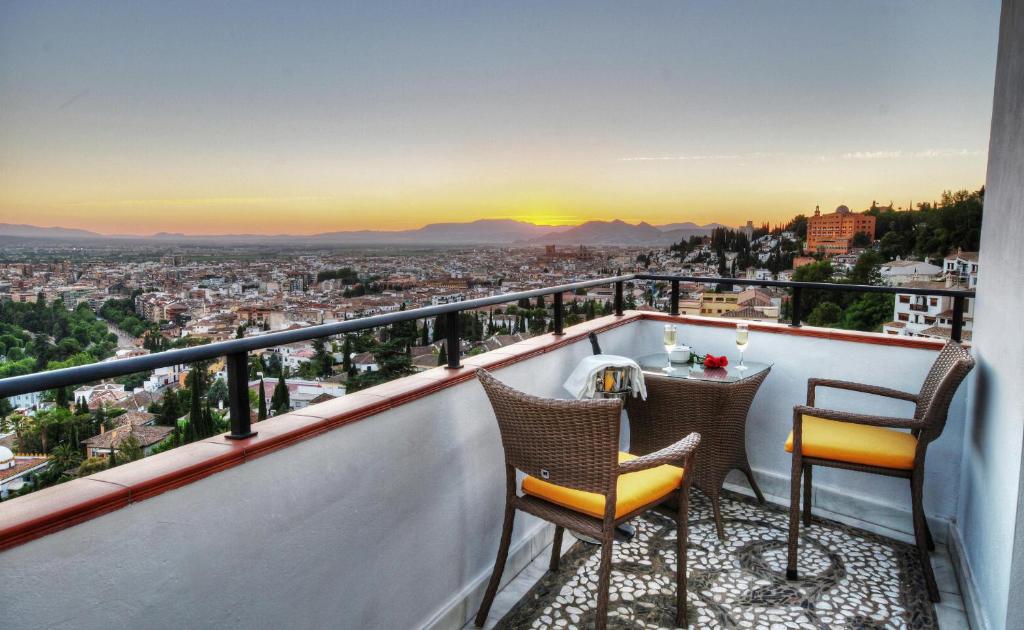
277, 120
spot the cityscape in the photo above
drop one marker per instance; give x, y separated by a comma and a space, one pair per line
512, 315
127, 300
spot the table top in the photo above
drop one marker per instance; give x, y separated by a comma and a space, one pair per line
655, 364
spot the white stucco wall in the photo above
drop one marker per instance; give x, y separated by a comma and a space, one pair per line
382, 523
991, 519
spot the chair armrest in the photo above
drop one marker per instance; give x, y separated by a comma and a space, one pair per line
676, 454
856, 418
876, 390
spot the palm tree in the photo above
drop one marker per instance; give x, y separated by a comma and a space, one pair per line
63, 457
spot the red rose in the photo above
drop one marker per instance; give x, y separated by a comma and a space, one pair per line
713, 362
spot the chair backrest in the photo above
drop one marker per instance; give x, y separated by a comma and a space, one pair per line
948, 371
571, 443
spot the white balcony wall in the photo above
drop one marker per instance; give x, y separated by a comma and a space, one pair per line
991, 519
389, 522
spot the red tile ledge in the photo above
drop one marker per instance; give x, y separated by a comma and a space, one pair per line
57, 507
151, 476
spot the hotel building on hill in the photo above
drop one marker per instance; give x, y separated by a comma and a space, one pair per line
833, 233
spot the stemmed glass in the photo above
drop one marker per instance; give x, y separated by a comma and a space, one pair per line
742, 341
669, 339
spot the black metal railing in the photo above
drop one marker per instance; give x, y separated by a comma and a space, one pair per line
236, 350
959, 295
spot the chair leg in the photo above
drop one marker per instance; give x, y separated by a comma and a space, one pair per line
556, 548
499, 566
807, 495
682, 536
717, 509
604, 579
920, 533
794, 518
928, 535
749, 473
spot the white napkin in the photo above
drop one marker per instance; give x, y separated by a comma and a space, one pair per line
581, 383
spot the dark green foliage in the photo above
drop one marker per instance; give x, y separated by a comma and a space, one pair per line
825, 314
933, 230
393, 360
122, 314
347, 275
40, 336
281, 400
262, 411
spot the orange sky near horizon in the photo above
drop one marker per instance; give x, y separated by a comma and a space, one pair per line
352, 116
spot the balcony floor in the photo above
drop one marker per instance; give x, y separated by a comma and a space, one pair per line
851, 578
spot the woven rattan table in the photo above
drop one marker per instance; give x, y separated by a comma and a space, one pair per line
713, 403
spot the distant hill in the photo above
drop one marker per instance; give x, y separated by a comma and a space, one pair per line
32, 231
619, 232
480, 232
483, 232
689, 225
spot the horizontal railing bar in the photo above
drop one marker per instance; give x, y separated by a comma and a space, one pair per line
824, 286
63, 377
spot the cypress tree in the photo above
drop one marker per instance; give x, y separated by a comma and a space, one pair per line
263, 403
442, 356
280, 401
424, 338
346, 361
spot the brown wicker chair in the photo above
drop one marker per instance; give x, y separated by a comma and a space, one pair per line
571, 446
867, 443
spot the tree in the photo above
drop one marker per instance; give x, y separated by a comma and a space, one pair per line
323, 362
825, 314
129, 449
63, 457
262, 413
346, 360
218, 392
280, 402
442, 356
92, 465
274, 365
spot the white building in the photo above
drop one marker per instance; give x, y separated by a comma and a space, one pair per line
962, 269
899, 272
448, 298
927, 315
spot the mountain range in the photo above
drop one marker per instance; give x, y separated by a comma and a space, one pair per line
480, 232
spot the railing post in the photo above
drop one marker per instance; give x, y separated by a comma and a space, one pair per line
675, 297
618, 298
238, 396
795, 307
452, 341
559, 314
958, 319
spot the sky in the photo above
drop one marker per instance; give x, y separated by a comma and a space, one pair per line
302, 117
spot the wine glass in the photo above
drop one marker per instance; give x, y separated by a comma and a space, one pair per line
742, 341
669, 339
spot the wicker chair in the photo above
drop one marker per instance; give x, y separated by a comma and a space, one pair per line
867, 443
569, 450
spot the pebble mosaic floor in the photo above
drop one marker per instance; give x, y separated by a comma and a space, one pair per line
849, 578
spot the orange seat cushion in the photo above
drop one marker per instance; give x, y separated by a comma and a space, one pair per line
634, 490
856, 443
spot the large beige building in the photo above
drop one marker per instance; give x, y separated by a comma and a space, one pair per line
833, 233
